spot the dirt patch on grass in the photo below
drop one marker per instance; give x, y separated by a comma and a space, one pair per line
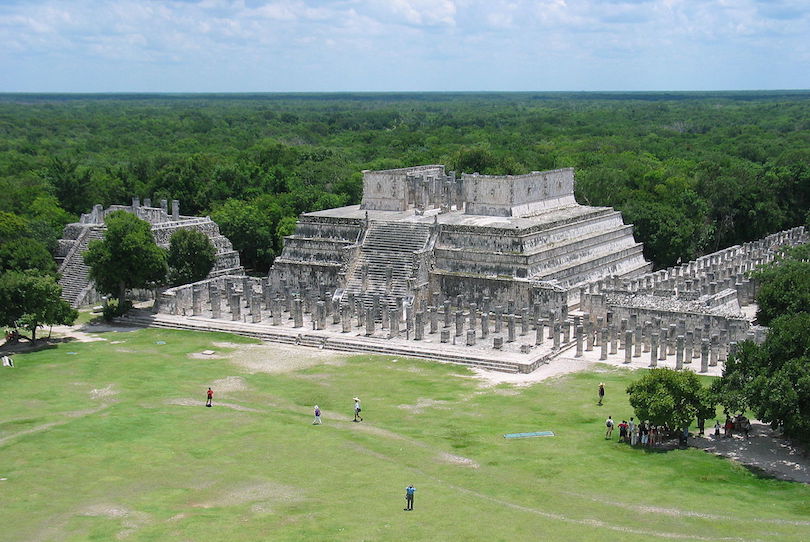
229, 384
454, 459
423, 403
101, 393
557, 367
262, 495
200, 402
131, 520
278, 358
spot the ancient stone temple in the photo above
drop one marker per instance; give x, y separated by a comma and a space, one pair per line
421, 234
76, 286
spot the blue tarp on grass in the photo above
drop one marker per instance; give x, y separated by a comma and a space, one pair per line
526, 435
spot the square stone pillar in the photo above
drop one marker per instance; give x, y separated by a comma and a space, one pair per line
393, 321
498, 318
419, 326
369, 321
613, 340
484, 325
196, 301
628, 346
580, 331
566, 331
459, 323
256, 308
473, 316
689, 345
654, 350
679, 342
662, 344
278, 303
538, 333
447, 313
603, 354
713, 353
434, 324
346, 318
216, 308
470, 337
510, 328
556, 333
704, 355
524, 322
298, 312
639, 340
236, 308
320, 314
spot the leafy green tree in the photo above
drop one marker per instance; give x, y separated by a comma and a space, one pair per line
21, 254
191, 257
784, 285
773, 379
127, 257
29, 300
250, 231
664, 396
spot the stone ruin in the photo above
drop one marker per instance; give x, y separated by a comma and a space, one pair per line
76, 285
500, 272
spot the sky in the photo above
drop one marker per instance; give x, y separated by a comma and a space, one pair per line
402, 45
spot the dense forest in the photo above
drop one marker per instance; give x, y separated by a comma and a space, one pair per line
694, 172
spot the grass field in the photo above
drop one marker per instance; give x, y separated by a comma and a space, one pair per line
103, 441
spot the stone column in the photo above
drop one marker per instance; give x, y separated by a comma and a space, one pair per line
419, 326
638, 342
524, 322
216, 303
704, 355
256, 308
447, 313
236, 308
369, 321
671, 334
510, 328
538, 333
393, 321
459, 323
497, 343
580, 331
588, 335
679, 340
551, 319
689, 345
434, 324
556, 333
612, 340
622, 329
498, 319
484, 325
346, 318
628, 346
662, 344
445, 336
647, 334
470, 337
654, 350
604, 344
277, 304
298, 312
320, 312
473, 316
600, 325
566, 331
196, 301
697, 343
713, 353
536, 315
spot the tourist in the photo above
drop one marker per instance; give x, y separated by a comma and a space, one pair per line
716, 428
729, 428
634, 435
409, 491
609, 425
746, 427
645, 433
701, 426
623, 431
357, 410
317, 420
653, 435
601, 392
631, 426
209, 401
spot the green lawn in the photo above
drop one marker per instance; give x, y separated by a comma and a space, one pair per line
140, 458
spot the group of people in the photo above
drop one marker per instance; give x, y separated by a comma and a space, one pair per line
740, 422
635, 434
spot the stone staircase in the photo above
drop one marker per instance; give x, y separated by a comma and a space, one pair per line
73, 271
387, 258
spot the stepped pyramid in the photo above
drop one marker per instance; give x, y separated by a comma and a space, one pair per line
76, 285
498, 239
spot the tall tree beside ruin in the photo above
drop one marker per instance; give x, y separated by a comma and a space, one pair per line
191, 257
29, 300
784, 285
126, 258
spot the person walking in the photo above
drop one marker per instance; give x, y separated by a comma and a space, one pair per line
609, 425
317, 420
716, 428
601, 392
409, 491
210, 398
357, 410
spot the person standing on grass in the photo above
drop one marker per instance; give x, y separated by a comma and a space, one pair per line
317, 420
716, 428
609, 425
409, 491
645, 433
210, 398
623, 431
601, 392
747, 428
357, 410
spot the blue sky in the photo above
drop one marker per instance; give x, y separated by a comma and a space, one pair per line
402, 45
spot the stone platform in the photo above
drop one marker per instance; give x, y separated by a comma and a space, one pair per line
520, 356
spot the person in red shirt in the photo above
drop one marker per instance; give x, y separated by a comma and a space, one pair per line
210, 400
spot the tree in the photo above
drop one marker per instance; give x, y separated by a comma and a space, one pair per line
127, 257
191, 257
674, 398
784, 285
773, 379
29, 300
